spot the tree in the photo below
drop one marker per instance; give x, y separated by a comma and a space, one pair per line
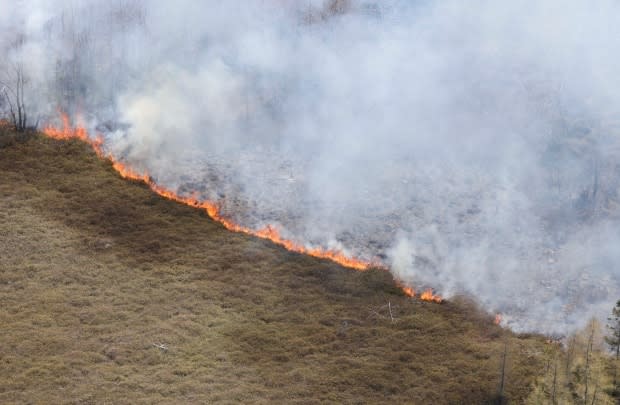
588, 365
613, 340
587, 377
500, 399
12, 90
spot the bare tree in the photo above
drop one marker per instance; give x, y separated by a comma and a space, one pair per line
12, 90
570, 350
335, 7
613, 340
500, 391
589, 347
555, 381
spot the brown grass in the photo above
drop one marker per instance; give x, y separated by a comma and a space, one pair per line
95, 271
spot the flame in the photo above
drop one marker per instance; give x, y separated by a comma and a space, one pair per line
409, 292
67, 132
428, 295
269, 232
498, 319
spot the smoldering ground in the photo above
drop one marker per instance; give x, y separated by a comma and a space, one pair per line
471, 147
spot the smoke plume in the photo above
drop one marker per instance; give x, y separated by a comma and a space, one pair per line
472, 147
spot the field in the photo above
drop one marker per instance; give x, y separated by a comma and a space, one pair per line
110, 293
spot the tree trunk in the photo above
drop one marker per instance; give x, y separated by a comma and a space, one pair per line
555, 380
500, 394
587, 370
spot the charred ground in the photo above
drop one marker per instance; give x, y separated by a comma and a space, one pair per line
109, 292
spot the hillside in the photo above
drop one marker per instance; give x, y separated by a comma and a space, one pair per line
111, 293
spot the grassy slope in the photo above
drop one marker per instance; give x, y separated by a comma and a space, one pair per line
95, 270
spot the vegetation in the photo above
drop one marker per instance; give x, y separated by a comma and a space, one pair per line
613, 340
580, 373
12, 94
110, 293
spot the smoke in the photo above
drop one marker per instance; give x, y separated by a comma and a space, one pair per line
471, 147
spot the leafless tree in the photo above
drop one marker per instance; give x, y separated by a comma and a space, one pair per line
555, 381
589, 349
500, 392
12, 89
613, 340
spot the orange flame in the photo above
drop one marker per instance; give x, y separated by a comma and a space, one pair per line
268, 232
409, 292
67, 133
428, 295
498, 319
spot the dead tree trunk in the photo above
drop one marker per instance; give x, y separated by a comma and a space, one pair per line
500, 392
616, 388
14, 96
555, 381
587, 366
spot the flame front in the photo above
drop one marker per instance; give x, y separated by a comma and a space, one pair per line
68, 132
409, 292
428, 295
268, 232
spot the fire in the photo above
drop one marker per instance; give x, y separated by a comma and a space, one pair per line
498, 319
269, 232
428, 295
409, 292
67, 132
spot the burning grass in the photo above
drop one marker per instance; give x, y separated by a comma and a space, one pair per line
109, 292
68, 132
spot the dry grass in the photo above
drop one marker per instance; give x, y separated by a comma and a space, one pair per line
96, 272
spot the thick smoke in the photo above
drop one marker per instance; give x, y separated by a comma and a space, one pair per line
471, 146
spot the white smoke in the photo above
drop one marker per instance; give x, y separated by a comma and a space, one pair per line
471, 146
